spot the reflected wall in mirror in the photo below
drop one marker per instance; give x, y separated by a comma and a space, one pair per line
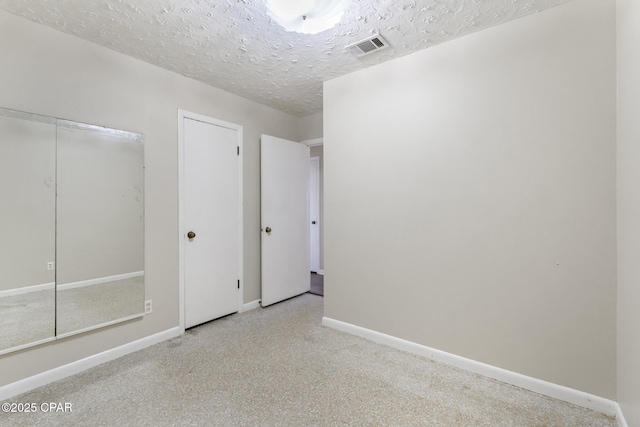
27, 229
71, 228
100, 225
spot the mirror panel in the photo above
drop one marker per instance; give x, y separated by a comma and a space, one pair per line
100, 227
27, 229
72, 229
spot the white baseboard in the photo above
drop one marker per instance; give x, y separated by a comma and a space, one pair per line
99, 280
44, 378
27, 289
251, 305
555, 391
620, 417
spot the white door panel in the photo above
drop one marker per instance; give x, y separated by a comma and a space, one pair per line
211, 212
285, 219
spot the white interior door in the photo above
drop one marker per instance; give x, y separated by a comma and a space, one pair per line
285, 219
211, 221
314, 213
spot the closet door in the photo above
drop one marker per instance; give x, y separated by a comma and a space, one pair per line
211, 221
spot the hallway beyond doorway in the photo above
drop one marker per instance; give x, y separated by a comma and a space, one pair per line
317, 284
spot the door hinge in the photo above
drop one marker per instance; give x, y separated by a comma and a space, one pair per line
238, 283
238, 150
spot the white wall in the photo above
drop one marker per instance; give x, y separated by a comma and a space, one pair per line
50, 73
470, 197
628, 16
310, 127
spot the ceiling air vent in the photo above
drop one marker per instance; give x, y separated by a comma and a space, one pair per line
368, 45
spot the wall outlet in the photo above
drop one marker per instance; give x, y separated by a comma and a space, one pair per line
148, 308
50, 265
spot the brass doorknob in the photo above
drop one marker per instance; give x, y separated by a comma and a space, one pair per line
191, 234
268, 230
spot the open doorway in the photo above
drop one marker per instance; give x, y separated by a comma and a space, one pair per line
316, 228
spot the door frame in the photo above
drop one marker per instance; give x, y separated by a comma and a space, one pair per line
314, 143
182, 115
314, 197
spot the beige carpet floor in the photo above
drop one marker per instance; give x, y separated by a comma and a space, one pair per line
278, 366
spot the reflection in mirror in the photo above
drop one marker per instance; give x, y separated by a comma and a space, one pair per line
71, 228
100, 227
27, 229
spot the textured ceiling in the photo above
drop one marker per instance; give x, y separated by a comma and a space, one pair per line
233, 44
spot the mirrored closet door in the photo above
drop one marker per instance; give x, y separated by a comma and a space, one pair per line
71, 228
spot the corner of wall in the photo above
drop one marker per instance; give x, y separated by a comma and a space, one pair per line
310, 127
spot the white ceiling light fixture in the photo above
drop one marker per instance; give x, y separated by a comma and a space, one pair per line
306, 16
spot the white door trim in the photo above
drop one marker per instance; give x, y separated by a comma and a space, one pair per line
182, 115
314, 197
313, 142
